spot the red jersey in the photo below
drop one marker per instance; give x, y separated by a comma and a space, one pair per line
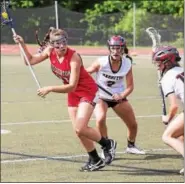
86, 84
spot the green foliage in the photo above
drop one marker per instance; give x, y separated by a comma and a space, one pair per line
107, 17
31, 3
175, 8
22, 3
122, 22
90, 43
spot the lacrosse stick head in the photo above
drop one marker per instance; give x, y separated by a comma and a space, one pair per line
5, 17
155, 36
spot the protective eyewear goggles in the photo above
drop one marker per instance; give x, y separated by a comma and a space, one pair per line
56, 43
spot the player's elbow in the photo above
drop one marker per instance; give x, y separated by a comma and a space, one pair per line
72, 88
89, 70
131, 88
174, 108
28, 59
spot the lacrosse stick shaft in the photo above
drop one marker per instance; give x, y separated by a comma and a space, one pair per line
103, 89
156, 42
162, 94
23, 55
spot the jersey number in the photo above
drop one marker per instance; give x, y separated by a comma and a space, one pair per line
110, 83
65, 80
180, 76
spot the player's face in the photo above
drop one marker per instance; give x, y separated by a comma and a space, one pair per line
160, 65
116, 52
60, 45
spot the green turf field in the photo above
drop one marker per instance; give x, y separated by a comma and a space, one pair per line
42, 146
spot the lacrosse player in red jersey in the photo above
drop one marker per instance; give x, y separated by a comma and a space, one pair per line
110, 73
67, 65
172, 81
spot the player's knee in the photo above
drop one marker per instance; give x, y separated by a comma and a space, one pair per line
101, 122
79, 131
165, 138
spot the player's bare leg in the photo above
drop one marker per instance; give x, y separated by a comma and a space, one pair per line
87, 134
125, 112
174, 130
94, 161
173, 135
100, 112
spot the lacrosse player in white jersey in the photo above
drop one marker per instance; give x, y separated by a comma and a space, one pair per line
111, 71
172, 81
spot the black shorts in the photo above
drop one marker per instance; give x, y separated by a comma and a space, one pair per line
113, 103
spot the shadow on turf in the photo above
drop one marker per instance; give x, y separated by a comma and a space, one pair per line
151, 156
160, 156
38, 156
129, 170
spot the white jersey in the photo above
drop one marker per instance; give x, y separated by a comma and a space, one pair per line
172, 82
110, 80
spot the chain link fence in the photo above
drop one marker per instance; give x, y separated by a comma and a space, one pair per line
27, 21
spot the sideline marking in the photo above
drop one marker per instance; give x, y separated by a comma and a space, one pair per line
75, 156
68, 120
5, 131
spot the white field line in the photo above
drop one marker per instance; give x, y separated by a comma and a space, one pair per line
72, 156
67, 120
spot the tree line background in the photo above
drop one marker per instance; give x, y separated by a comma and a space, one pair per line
174, 7
100, 18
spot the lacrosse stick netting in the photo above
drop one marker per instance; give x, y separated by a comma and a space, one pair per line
155, 36
7, 20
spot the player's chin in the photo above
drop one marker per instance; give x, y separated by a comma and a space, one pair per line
60, 49
116, 57
63, 49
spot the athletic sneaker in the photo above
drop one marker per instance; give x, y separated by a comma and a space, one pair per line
181, 171
85, 166
108, 153
93, 166
134, 150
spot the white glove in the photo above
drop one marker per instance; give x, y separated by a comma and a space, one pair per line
165, 119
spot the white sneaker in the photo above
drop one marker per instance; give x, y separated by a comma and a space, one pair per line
135, 150
181, 171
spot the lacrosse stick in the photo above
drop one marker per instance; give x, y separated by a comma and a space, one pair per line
7, 20
106, 91
156, 43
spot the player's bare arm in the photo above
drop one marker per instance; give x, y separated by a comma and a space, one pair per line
33, 59
39, 57
129, 84
172, 108
74, 77
94, 67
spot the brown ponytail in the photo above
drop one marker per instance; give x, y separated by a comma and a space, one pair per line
45, 41
126, 51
